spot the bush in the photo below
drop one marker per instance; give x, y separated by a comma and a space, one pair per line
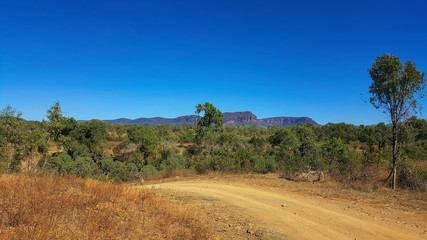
257, 142
136, 158
220, 163
148, 170
118, 171
187, 136
201, 166
192, 150
64, 164
263, 164
292, 165
167, 150
14, 165
175, 162
411, 177
84, 167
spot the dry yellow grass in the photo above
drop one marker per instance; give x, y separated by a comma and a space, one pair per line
71, 208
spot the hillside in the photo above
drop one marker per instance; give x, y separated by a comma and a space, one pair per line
230, 118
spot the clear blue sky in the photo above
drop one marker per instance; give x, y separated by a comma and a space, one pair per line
110, 59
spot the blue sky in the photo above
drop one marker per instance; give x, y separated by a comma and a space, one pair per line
111, 59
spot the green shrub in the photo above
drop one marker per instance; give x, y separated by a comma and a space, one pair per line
192, 150
84, 167
201, 166
118, 171
148, 170
81, 166
14, 165
220, 163
175, 162
263, 164
187, 136
410, 176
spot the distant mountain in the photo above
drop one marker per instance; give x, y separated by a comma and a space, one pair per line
230, 118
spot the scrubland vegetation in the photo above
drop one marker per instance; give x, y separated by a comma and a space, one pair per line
109, 152
48, 207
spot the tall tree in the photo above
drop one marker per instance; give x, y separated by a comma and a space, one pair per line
213, 118
395, 89
11, 138
56, 121
147, 139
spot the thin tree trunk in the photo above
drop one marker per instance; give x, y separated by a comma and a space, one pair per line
395, 154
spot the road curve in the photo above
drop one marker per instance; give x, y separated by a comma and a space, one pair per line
294, 217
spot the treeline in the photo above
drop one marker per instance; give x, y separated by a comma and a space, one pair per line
96, 149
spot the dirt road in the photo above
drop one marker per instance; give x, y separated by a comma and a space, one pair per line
272, 215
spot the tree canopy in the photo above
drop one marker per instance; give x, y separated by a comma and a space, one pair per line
213, 117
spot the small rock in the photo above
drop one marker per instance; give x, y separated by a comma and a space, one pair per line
284, 205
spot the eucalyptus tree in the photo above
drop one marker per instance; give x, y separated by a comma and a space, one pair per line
395, 89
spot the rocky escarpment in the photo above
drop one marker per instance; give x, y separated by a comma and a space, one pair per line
230, 118
239, 117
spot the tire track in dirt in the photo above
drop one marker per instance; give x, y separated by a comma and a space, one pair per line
288, 215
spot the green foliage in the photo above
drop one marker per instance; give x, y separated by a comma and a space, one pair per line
411, 176
347, 132
395, 86
416, 151
419, 127
339, 159
284, 138
137, 159
263, 164
167, 150
308, 149
9, 112
56, 123
118, 149
14, 165
228, 139
91, 135
258, 143
212, 117
12, 139
382, 135
176, 162
187, 136
215, 163
117, 171
192, 150
148, 170
343, 151
147, 139
64, 164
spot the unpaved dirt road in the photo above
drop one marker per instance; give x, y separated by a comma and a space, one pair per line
276, 215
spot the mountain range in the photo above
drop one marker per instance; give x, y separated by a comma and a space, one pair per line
230, 118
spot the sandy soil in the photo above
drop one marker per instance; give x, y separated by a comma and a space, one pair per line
264, 208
